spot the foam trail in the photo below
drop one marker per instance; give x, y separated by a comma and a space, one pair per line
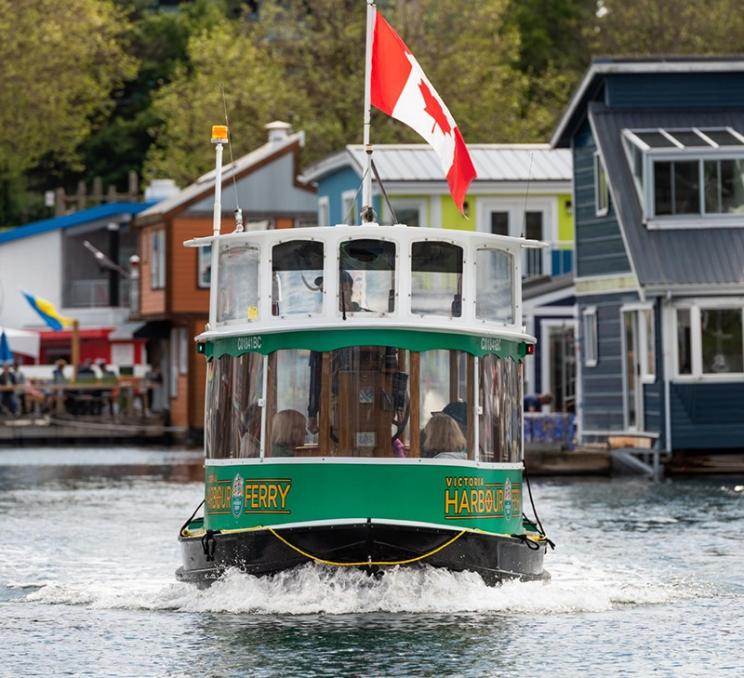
312, 589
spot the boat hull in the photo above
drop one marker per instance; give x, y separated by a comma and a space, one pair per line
372, 546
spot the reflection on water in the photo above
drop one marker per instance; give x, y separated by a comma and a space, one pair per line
646, 578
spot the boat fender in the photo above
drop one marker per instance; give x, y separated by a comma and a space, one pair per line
209, 544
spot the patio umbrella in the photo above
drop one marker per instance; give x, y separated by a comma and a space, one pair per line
6, 355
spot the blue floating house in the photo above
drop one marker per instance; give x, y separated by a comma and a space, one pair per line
658, 163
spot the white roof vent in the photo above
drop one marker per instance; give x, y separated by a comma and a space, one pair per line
278, 131
161, 189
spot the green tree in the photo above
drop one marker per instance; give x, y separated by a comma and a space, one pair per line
59, 62
222, 57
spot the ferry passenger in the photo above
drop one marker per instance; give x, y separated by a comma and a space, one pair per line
249, 431
458, 410
287, 433
345, 303
443, 438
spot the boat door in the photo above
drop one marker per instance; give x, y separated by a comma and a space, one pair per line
632, 382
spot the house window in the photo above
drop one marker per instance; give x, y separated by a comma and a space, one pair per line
710, 341
721, 340
590, 336
410, 212
687, 173
500, 223
601, 190
204, 267
157, 263
324, 211
349, 208
684, 341
724, 186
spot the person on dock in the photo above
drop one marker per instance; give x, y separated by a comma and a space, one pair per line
8, 400
534, 403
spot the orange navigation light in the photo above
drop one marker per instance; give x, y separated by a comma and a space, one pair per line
219, 134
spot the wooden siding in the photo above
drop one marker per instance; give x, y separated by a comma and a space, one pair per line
602, 385
179, 405
197, 376
707, 416
185, 296
599, 244
674, 90
152, 302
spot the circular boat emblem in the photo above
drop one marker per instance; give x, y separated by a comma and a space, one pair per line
238, 495
507, 499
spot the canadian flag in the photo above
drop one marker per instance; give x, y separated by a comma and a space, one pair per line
400, 89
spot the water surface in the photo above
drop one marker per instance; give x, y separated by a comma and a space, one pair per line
646, 578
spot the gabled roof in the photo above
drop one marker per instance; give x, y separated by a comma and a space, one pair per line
591, 83
419, 162
204, 185
106, 211
664, 257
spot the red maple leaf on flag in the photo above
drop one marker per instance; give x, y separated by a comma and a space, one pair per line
434, 109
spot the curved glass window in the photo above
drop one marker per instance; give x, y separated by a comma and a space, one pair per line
297, 278
444, 419
500, 399
495, 286
436, 279
237, 297
366, 277
364, 401
232, 425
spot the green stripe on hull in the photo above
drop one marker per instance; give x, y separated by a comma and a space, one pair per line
330, 340
251, 495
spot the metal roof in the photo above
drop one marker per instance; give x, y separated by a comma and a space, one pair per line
205, 183
589, 84
692, 256
107, 210
419, 162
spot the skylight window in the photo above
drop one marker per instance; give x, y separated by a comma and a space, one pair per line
686, 174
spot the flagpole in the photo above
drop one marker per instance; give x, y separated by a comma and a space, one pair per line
368, 213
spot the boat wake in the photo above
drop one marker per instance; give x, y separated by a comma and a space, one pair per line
312, 589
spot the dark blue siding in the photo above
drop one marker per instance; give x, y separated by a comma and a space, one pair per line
674, 90
602, 385
599, 244
707, 416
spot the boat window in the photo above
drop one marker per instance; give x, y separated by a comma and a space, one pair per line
238, 283
495, 286
366, 277
290, 430
436, 279
367, 388
297, 278
232, 427
443, 401
500, 400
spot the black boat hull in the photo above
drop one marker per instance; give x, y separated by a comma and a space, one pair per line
263, 552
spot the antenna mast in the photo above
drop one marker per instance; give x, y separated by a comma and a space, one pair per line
368, 212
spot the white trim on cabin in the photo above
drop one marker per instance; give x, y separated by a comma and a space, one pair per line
464, 463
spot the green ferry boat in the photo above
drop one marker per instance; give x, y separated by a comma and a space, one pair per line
364, 404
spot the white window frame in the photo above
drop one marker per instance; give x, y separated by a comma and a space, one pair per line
324, 211
591, 353
648, 372
671, 154
157, 260
203, 261
418, 204
601, 195
695, 306
347, 197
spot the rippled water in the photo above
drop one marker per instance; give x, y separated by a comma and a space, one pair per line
646, 578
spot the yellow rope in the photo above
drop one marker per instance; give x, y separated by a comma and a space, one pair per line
366, 562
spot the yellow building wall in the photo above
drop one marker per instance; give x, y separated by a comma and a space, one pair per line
451, 217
